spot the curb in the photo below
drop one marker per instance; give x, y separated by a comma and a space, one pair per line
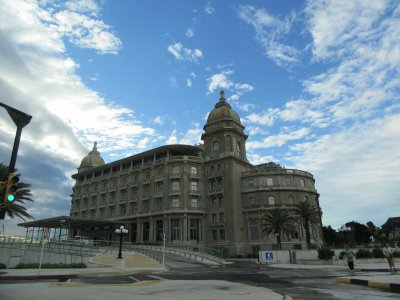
394, 287
60, 278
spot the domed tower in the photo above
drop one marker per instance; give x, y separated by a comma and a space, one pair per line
92, 160
224, 161
224, 133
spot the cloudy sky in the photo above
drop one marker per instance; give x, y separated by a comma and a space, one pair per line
316, 84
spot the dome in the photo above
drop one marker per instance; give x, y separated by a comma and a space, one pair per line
222, 111
92, 160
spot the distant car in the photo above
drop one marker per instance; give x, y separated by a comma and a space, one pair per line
83, 240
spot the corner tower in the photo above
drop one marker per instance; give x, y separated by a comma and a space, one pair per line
224, 162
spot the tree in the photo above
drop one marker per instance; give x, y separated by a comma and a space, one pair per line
16, 208
277, 221
330, 235
308, 215
359, 232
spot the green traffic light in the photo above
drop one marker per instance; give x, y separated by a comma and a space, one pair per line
10, 197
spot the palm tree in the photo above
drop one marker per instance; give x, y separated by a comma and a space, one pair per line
308, 214
23, 193
277, 221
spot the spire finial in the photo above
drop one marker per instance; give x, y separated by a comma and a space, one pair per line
222, 96
95, 146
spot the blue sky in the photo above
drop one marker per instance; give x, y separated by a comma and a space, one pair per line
316, 84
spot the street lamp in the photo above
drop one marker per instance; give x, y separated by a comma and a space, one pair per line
61, 228
346, 230
121, 231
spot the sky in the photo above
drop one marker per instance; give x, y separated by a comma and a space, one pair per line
316, 84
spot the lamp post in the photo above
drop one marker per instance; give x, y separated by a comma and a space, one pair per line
346, 230
120, 231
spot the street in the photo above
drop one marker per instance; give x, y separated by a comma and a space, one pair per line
187, 279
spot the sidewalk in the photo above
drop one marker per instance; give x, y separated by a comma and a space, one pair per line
373, 275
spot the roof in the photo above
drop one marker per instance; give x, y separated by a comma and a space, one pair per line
69, 222
223, 111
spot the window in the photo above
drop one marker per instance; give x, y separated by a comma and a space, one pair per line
160, 172
158, 205
194, 203
269, 182
288, 180
122, 210
229, 143
194, 229
251, 183
239, 148
214, 202
221, 202
302, 182
193, 171
220, 184
159, 230
133, 208
175, 229
160, 187
254, 230
175, 203
176, 171
252, 202
146, 231
215, 234
214, 218
111, 211
291, 199
145, 206
215, 149
175, 186
271, 200
222, 234
221, 217
193, 186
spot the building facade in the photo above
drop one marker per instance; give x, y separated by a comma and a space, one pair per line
199, 196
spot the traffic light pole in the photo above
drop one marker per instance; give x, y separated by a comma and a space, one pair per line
20, 119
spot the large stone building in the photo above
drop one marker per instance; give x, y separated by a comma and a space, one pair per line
207, 195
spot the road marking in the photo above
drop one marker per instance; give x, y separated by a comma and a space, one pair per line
155, 277
133, 278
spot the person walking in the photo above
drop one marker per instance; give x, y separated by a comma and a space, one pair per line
388, 252
350, 257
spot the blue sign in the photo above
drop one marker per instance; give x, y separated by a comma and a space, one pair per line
269, 255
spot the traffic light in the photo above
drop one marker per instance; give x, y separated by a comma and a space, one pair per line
11, 188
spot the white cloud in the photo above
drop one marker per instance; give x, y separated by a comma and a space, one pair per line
38, 77
189, 33
209, 9
182, 53
221, 81
280, 139
83, 6
189, 82
87, 32
266, 118
173, 138
269, 32
159, 120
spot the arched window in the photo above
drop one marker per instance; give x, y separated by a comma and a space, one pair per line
176, 170
271, 200
252, 202
215, 149
229, 143
193, 170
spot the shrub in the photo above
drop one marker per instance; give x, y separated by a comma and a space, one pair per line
377, 253
396, 253
341, 254
2, 266
50, 266
364, 253
325, 253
